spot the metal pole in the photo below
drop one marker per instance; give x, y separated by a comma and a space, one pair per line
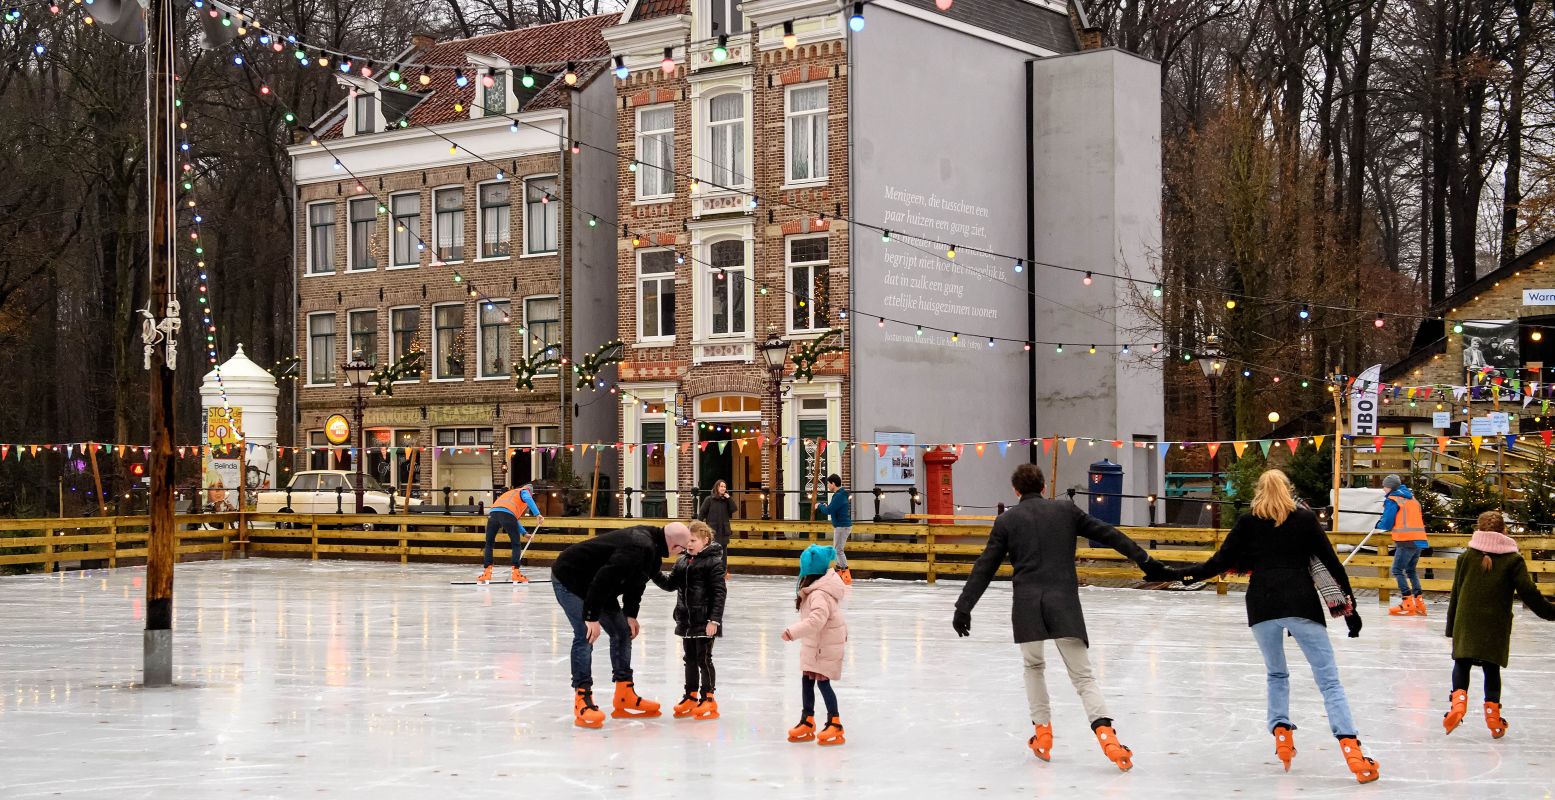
777, 445
361, 448
1214, 456
1333, 522
162, 537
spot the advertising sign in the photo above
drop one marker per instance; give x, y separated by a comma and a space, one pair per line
222, 428
337, 430
1364, 403
1490, 348
896, 468
1441, 419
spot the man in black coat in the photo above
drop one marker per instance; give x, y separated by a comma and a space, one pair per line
588, 578
1039, 536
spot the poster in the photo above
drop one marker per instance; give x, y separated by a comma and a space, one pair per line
896, 468
1441, 419
1490, 349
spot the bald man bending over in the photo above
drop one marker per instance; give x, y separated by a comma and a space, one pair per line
588, 578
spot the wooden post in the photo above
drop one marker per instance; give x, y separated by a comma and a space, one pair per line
1052, 480
404, 545
97, 479
930, 539
313, 541
1333, 523
815, 479
48, 549
113, 544
594, 489
410, 479
62, 497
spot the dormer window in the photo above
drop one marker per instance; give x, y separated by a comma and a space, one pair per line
363, 113
494, 98
724, 17
493, 88
365, 110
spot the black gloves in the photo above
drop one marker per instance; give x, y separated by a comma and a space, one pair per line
1156, 572
1352, 621
962, 622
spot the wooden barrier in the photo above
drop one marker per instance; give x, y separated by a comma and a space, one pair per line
926, 550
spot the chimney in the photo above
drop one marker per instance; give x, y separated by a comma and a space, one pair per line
422, 42
1088, 36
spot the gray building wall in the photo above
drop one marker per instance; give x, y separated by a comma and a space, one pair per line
939, 150
1097, 162
594, 261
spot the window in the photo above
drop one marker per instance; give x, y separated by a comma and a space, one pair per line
494, 98
464, 437
448, 331
495, 346
531, 458
542, 326
727, 281
540, 215
406, 241
366, 112
449, 206
807, 133
656, 293
318, 458
807, 281
404, 331
656, 152
364, 334
496, 220
726, 17
321, 238
364, 217
726, 139
321, 348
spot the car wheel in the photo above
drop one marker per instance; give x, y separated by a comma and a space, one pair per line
367, 526
285, 525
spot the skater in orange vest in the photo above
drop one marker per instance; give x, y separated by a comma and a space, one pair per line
504, 516
1401, 517
1479, 616
822, 632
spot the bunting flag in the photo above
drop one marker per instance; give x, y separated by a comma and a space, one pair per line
1165, 446
1317, 441
820, 446
1004, 449
1545, 435
180, 452
1376, 442
5, 450
685, 447
1476, 440
1409, 444
702, 445
740, 445
35, 451
1511, 440
631, 447
1264, 444
1292, 444
1214, 447
1441, 443
881, 449
723, 444
761, 442
979, 449
1239, 447
1069, 445
648, 450
958, 449
1047, 445
1117, 443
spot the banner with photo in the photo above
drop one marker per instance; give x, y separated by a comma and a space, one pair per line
1490, 349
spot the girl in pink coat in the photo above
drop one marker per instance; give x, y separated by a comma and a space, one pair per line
822, 632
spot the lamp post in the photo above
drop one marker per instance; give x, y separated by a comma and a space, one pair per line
1213, 365
775, 352
1274, 420
357, 371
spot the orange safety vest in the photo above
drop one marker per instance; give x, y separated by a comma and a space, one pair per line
1409, 522
511, 502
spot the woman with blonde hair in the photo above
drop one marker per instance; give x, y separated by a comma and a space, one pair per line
1294, 576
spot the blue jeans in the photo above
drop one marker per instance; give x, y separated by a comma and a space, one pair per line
614, 624
503, 521
1405, 556
1313, 640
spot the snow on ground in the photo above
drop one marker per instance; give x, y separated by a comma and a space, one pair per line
319, 679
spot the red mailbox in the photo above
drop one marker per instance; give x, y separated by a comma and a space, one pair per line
938, 483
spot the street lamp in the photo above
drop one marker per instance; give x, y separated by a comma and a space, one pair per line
357, 371
1214, 365
1274, 419
775, 352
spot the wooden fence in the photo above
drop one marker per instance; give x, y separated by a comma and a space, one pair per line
921, 549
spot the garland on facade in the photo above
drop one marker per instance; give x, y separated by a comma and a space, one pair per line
527, 368
589, 366
811, 352
411, 363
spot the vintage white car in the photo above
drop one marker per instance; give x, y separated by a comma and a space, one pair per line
315, 492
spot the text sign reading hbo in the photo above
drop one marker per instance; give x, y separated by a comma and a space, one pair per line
1539, 297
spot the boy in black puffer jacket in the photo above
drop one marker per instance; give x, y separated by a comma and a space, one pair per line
699, 611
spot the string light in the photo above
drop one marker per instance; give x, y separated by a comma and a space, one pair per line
1157, 291
1087, 279
621, 71
1379, 322
668, 65
1305, 312
570, 76
528, 79
790, 41
950, 252
1020, 265
459, 79
1093, 350
856, 21
721, 51
1230, 305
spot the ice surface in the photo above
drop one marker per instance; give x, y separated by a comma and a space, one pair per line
324, 679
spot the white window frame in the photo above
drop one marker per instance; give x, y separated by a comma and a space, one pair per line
528, 339
480, 66
672, 277
464, 208
556, 212
642, 166
334, 369
480, 341
707, 170
371, 202
535, 456
710, 283
309, 244
480, 222
705, 14
394, 353
373, 109
372, 358
414, 236
794, 289
789, 115
437, 361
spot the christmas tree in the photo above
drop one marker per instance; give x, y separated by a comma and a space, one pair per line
1537, 509
1475, 496
1432, 505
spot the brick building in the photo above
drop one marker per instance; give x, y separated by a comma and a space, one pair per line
434, 211
750, 133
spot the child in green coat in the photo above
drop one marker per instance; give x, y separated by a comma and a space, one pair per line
1479, 617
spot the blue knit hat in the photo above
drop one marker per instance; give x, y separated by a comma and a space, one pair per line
816, 559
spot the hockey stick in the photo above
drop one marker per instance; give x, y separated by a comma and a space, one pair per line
1357, 549
521, 553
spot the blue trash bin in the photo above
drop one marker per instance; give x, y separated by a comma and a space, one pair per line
1106, 489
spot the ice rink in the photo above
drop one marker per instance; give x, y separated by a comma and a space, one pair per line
324, 679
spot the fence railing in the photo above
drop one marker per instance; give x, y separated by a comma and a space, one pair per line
915, 550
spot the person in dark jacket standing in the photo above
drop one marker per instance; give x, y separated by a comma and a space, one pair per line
839, 509
717, 510
588, 578
1486, 578
1278, 543
698, 577
1039, 536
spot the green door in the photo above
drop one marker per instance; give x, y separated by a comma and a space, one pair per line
811, 430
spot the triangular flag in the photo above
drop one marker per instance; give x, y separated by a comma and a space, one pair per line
1292, 444
34, 451
820, 446
702, 445
1264, 445
1165, 446
1214, 447
1545, 435
761, 441
1409, 444
740, 444
980, 446
180, 452
5, 450
1118, 443
723, 444
1069, 444
631, 447
1442, 442
881, 449
685, 447
1511, 440
1047, 445
1376, 442
1004, 449
1239, 447
1317, 441
1476, 442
